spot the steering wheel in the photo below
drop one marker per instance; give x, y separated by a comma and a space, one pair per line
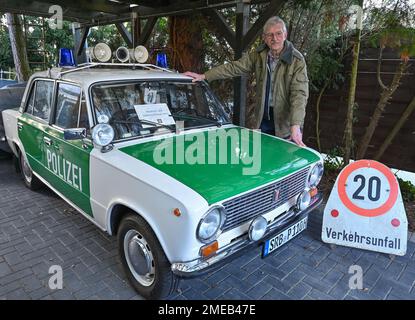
185, 111
124, 120
131, 115
124, 115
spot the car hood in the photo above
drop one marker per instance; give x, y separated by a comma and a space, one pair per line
219, 169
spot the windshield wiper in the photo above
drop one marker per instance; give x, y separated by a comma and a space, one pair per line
171, 127
189, 117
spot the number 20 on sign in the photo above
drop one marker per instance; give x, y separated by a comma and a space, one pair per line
365, 210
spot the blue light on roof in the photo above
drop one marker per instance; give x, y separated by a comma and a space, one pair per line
66, 58
161, 60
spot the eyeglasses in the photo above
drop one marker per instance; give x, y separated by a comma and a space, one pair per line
276, 35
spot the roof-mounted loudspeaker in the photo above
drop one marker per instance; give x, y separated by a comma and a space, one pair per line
140, 54
122, 54
101, 52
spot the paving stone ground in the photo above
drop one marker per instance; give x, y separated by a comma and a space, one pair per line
39, 230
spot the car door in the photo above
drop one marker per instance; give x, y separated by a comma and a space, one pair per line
68, 160
34, 121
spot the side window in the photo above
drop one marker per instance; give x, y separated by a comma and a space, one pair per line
31, 100
67, 106
43, 99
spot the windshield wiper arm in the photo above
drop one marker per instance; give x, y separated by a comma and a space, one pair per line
171, 127
189, 117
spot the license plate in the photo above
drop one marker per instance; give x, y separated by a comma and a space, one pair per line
284, 236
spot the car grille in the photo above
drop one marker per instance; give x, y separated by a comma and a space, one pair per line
252, 204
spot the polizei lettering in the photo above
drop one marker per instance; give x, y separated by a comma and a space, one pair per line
354, 237
64, 169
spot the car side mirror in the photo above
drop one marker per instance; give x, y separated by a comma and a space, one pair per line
74, 134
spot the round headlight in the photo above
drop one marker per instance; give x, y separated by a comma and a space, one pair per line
102, 134
304, 200
210, 224
315, 175
257, 228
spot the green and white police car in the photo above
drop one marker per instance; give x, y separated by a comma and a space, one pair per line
150, 157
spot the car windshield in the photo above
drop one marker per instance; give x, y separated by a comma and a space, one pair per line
138, 109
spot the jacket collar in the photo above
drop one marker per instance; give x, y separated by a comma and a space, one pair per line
287, 54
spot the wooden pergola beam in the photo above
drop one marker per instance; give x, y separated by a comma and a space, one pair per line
135, 28
223, 26
41, 9
81, 44
148, 28
98, 6
273, 8
240, 83
125, 34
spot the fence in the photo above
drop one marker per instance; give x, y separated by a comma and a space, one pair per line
401, 153
7, 77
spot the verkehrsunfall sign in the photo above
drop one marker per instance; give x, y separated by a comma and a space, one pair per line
365, 210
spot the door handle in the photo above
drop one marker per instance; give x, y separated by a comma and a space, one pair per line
86, 145
48, 142
20, 126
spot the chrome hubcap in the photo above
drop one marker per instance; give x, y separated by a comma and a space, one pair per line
139, 257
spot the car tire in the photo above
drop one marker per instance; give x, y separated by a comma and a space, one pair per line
143, 259
30, 180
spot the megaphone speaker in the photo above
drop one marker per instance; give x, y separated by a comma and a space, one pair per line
122, 54
101, 52
140, 54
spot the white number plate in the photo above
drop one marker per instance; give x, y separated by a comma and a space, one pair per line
283, 237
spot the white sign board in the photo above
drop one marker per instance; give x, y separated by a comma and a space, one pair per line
365, 210
157, 113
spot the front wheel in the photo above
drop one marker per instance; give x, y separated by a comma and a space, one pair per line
143, 259
30, 180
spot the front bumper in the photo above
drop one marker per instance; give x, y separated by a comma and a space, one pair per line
201, 266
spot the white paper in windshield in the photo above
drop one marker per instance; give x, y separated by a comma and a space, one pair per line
157, 113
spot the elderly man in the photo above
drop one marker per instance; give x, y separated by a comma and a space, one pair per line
281, 83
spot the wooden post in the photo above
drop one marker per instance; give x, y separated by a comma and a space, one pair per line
135, 29
240, 83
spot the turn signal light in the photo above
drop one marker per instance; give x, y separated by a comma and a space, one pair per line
209, 249
177, 212
313, 192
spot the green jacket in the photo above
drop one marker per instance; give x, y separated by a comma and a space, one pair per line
290, 86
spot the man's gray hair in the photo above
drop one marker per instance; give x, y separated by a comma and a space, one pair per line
273, 21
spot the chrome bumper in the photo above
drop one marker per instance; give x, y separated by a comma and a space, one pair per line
201, 266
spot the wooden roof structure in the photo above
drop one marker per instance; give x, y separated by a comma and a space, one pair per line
90, 13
